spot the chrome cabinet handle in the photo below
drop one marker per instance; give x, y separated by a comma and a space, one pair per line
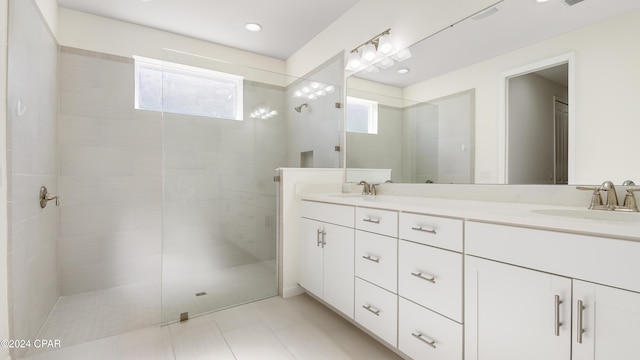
420, 336
427, 230
374, 221
371, 258
429, 278
580, 329
371, 309
557, 313
318, 242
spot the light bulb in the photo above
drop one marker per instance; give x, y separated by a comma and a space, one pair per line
354, 62
329, 89
385, 46
369, 53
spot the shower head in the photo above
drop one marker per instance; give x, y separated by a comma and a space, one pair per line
299, 108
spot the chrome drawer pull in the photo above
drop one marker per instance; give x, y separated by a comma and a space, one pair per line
371, 258
371, 309
429, 278
374, 221
427, 230
424, 339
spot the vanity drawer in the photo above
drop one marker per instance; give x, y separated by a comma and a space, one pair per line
329, 213
432, 230
423, 334
378, 221
377, 259
431, 277
377, 310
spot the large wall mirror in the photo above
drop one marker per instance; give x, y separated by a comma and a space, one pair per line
459, 113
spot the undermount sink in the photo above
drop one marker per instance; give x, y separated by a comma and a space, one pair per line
591, 214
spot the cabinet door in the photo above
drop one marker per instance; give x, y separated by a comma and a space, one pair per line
512, 313
338, 267
311, 257
610, 322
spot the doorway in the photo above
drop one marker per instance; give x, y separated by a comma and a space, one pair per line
538, 123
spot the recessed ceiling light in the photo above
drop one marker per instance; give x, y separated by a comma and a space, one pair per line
253, 27
403, 71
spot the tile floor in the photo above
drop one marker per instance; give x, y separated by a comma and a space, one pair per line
95, 315
274, 328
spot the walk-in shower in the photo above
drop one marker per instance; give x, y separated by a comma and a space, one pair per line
187, 212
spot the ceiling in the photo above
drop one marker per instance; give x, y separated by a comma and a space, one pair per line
515, 24
287, 24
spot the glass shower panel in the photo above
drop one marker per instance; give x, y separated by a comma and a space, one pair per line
219, 217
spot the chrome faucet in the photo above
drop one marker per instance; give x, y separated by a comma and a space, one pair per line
612, 197
611, 203
366, 189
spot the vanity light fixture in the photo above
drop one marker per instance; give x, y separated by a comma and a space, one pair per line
253, 27
371, 51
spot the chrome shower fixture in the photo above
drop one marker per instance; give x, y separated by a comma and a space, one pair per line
299, 108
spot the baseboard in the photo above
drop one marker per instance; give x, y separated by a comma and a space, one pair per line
292, 291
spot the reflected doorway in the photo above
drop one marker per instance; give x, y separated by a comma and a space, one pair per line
537, 116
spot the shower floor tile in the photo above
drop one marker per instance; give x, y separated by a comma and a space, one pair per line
294, 328
99, 314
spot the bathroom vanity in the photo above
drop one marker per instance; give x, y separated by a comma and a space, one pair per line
456, 279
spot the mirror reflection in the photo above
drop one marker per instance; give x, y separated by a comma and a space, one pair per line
477, 52
410, 142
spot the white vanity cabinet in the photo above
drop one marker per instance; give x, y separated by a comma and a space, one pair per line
515, 316
376, 306
327, 253
610, 320
524, 299
430, 283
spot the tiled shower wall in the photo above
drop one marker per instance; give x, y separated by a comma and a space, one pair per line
110, 177
32, 131
114, 161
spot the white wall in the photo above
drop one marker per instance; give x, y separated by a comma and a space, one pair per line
409, 20
455, 139
32, 128
110, 177
49, 10
607, 89
100, 34
4, 280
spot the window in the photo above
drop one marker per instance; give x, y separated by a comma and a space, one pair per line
181, 89
362, 116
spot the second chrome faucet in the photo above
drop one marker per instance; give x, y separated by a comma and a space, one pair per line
611, 202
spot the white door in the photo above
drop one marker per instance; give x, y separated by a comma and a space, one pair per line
610, 322
339, 248
515, 313
310, 261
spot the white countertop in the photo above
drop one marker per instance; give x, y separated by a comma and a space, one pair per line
580, 220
